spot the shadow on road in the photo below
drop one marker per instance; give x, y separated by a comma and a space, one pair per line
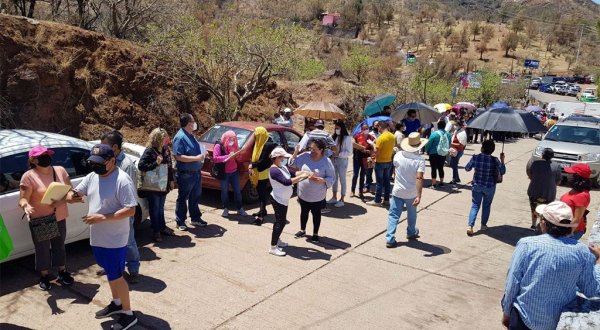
506, 233
348, 211
431, 249
210, 231
83, 293
144, 321
148, 284
329, 243
10, 326
304, 253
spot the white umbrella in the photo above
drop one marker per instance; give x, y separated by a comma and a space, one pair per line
425, 113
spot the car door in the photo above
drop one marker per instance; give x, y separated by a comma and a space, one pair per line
13, 167
292, 139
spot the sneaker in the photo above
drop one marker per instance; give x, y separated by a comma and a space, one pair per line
339, 204
534, 228
470, 231
415, 236
390, 245
242, 212
125, 322
109, 310
45, 283
258, 222
168, 232
65, 278
281, 244
441, 184
325, 210
182, 227
157, 237
332, 201
199, 223
133, 278
483, 228
299, 234
313, 238
274, 250
225, 213
374, 203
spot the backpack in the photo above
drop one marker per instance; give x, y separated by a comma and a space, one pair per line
444, 145
217, 170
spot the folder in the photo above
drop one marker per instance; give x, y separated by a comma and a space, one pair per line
56, 191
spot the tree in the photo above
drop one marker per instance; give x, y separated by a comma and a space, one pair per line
419, 36
24, 7
435, 41
481, 48
475, 29
381, 10
488, 33
359, 62
463, 44
232, 61
518, 23
127, 17
453, 40
570, 59
531, 30
510, 43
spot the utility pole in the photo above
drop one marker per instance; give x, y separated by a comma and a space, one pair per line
578, 46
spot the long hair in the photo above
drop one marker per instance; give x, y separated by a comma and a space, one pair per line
156, 138
343, 133
579, 184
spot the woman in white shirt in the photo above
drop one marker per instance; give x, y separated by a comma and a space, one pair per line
343, 141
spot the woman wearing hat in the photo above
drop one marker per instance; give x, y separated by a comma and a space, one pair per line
281, 180
578, 198
34, 183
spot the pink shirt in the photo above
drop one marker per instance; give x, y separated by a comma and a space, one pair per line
231, 166
39, 183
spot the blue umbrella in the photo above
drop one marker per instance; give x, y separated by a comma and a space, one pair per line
499, 104
375, 105
370, 122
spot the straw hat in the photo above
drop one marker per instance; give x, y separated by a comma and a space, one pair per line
413, 142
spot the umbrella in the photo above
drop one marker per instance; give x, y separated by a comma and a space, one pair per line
466, 105
499, 104
442, 107
370, 122
534, 108
425, 113
376, 104
501, 120
320, 110
533, 124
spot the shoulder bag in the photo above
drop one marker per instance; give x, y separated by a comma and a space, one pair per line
217, 170
155, 180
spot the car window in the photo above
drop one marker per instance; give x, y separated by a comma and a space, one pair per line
574, 134
276, 137
214, 134
292, 140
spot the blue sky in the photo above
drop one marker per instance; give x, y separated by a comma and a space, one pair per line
596, 1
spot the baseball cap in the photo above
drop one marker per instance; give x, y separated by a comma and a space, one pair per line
319, 123
40, 150
101, 153
583, 170
555, 212
287, 110
278, 152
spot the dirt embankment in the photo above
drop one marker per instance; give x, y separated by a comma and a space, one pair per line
60, 78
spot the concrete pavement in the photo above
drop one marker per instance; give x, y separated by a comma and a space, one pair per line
222, 277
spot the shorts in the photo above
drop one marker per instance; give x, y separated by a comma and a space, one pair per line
112, 260
534, 202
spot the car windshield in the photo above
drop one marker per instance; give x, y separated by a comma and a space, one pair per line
574, 134
214, 134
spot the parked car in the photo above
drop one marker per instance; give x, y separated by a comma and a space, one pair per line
535, 83
546, 88
572, 91
562, 89
71, 154
574, 140
588, 95
244, 130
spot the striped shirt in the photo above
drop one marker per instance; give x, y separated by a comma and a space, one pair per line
544, 275
485, 174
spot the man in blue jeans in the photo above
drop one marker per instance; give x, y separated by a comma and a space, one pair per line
487, 170
189, 154
384, 149
408, 185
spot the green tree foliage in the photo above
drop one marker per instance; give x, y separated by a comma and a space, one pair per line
510, 43
489, 91
359, 62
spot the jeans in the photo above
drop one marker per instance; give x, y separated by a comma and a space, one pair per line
359, 170
44, 259
454, 163
156, 204
369, 178
341, 168
133, 254
382, 175
280, 220
188, 195
234, 180
397, 204
481, 195
315, 209
263, 187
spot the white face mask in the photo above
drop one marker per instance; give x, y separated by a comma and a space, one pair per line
338, 131
230, 143
284, 162
195, 126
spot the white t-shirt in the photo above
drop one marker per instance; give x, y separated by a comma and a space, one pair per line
398, 136
107, 195
407, 164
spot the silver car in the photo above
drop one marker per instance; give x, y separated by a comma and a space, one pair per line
574, 140
69, 153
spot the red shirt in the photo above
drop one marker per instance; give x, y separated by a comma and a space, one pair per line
575, 199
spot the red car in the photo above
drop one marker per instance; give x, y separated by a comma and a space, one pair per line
284, 136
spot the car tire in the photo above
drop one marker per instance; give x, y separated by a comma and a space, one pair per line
249, 194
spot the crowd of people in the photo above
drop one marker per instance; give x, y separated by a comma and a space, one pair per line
319, 162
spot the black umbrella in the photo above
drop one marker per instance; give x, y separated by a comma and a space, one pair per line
503, 120
533, 124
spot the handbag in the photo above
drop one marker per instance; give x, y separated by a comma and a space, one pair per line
46, 227
217, 170
154, 180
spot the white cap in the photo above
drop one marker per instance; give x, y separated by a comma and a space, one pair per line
556, 212
287, 110
278, 152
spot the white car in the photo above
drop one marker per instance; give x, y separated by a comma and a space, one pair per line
71, 154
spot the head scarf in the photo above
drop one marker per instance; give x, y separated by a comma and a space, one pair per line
227, 138
260, 139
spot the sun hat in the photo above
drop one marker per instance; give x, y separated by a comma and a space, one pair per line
278, 152
583, 170
556, 212
101, 153
413, 142
40, 150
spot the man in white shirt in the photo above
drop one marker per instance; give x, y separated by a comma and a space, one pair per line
286, 118
408, 185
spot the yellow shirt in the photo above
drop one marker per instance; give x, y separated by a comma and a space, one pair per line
385, 147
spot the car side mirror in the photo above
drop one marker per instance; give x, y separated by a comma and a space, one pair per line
538, 137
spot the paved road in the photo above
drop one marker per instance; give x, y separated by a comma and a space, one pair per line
547, 97
222, 277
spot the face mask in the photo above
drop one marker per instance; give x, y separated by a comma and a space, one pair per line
284, 162
167, 141
44, 160
338, 131
195, 127
99, 169
230, 144
403, 129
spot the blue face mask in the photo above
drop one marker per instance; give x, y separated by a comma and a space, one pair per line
284, 162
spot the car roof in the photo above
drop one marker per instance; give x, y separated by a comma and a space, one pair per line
18, 140
587, 121
251, 125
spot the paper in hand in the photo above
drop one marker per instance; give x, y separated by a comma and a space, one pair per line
55, 192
